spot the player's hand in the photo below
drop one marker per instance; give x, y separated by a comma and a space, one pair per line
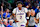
36, 22
14, 16
16, 21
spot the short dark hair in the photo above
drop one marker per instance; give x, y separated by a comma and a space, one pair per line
19, 2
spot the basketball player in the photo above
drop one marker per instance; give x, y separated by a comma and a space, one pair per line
20, 13
38, 18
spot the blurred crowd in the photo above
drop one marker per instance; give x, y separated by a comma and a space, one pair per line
7, 6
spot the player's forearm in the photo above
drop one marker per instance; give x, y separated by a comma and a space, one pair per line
38, 20
14, 15
35, 20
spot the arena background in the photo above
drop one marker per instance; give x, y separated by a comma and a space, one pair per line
11, 4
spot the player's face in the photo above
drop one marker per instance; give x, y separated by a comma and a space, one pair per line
20, 5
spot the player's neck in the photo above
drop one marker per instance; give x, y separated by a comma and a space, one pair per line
19, 8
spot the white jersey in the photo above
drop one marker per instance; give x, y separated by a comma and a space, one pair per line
20, 14
38, 16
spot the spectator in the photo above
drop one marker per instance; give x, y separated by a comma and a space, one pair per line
32, 2
22, 1
10, 23
5, 22
6, 14
3, 6
36, 3
27, 2
14, 25
33, 7
1, 12
37, 10
30, 7
38, 18
1, 25
39, 3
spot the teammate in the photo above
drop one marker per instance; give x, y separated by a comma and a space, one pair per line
38, 18
20, 13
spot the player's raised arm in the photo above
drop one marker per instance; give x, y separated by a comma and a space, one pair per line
14, 12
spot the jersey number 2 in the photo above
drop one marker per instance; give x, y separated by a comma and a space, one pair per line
20, 17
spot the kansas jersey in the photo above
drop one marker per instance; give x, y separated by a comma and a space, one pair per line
20, 14
38, 17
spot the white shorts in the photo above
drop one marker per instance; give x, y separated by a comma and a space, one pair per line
21, 24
